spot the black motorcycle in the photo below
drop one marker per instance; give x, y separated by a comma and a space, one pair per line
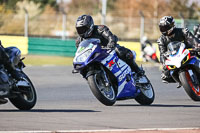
21, 93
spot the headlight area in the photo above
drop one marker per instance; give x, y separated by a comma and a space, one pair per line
169, 67
83, 57
185, 59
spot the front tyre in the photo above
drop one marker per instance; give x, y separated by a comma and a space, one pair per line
27, 98
190, 83
103, 91
146, 95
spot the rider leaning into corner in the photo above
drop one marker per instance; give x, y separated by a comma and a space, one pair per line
86, 29
169, 34
5, 60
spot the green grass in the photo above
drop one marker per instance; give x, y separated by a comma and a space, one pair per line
39, 60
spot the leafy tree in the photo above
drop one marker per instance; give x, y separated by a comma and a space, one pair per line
44, 3
156, 8
9, 4
188, 10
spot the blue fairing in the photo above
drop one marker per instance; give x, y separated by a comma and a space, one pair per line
120, 69
193, 60
92, 50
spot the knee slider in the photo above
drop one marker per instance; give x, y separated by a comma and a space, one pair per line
129, 55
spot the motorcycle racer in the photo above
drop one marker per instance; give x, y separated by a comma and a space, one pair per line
171, 33
86, 29
5, 60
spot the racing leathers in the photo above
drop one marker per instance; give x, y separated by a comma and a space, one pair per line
181, 35
109, 40
197, 31
5, 60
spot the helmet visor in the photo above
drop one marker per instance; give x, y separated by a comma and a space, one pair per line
166, 30
82, 30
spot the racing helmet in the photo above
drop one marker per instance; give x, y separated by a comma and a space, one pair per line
84, 25
167, 25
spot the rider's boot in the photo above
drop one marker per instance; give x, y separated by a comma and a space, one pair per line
164, 78
179, 85
3, 101
139, 72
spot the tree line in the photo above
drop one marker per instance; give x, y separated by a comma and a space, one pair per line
127, 8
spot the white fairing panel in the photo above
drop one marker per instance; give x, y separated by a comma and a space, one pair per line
177, 58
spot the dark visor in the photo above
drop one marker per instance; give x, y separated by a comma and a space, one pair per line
82, 30
165, 28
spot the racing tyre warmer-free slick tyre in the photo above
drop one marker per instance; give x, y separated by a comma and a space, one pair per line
104, 93
190, 83
27, 98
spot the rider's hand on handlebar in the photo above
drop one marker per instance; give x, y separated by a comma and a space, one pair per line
197, 49
111, 45
166, 54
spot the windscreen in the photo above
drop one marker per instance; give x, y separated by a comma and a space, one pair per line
173, 47
89, 43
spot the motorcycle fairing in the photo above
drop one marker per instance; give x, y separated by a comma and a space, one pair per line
121, 70
175, 60
96, 54
195, 62
109, 58
14, 55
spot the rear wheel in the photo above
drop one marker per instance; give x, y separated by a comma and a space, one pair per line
190, 83
147, 95
102, 89
27, 98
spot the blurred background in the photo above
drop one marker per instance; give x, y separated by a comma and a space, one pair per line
56, 18
48, 26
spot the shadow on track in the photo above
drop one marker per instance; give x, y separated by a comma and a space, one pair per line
50, 110
160, 105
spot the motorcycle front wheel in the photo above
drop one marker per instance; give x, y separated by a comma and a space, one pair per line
27, 97
190, 83
146, 95
103, 91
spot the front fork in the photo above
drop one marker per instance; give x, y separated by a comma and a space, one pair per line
105, 78
194, 78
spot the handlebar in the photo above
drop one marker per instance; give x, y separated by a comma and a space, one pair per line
166, 54
107, 48
194, 49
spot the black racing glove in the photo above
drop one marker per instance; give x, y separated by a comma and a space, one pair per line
111, 45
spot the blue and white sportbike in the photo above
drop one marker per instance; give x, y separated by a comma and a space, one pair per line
109, 77
184, 68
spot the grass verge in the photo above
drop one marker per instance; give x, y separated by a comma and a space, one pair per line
39, 60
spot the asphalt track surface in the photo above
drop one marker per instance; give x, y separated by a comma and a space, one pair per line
65, 103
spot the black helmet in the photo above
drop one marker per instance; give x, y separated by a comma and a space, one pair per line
166, 25
84, 25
